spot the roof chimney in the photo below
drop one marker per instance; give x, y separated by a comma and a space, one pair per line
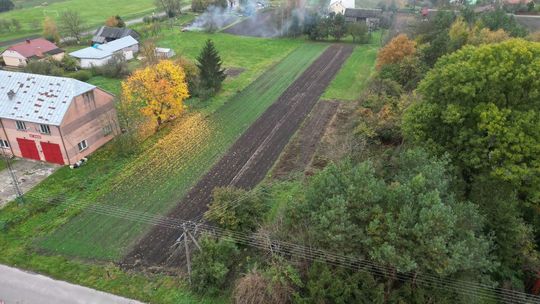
11, 94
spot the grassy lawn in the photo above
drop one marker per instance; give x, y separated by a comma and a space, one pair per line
93, 13
353, 76
160, 177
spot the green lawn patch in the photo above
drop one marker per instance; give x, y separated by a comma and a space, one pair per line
159, 178
353, 76
93, 13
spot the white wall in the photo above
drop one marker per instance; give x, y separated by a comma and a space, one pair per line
88, 63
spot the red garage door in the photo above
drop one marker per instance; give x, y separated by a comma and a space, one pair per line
28, 148
52, 153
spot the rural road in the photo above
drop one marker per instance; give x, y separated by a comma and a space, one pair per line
17, 286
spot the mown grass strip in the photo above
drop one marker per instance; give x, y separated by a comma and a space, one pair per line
161, 177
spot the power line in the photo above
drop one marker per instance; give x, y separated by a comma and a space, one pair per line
308, 253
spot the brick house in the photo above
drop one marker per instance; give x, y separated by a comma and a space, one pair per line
36, 49
53, 119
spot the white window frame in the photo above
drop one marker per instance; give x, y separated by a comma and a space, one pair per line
4, 144
83, 145
44, 129
19, 123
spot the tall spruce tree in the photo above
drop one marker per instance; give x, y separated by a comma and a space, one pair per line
209, 64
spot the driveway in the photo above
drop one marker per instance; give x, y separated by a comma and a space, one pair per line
28, 172
21, 287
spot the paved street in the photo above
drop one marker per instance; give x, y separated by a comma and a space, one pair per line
20, 287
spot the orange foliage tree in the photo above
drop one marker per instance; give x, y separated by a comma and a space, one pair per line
159, 90
397, 49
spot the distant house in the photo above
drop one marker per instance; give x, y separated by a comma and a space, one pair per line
339, 6
164, 53
370, 16
53, 119
100, 54
107, 34
20, 54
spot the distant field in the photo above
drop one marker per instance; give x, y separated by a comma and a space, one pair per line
93, 13
157, 180
352, 77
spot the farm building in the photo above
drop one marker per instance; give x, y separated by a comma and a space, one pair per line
19, 54
370, 16
54, 119
107, 34
100, 54
339, 6
164, 53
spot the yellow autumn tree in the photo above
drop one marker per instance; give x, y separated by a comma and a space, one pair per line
397, 49
159, 91
50, 30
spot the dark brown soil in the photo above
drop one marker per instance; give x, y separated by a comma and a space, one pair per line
249, 159
299, 152
260, 25
234, 72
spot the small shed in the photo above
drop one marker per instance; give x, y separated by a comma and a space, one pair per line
164, 53
371, 17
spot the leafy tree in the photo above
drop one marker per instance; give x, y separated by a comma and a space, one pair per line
50, 31
436, 48
498, 19
209, 64
336, 285
339, 28
6, 5
514, 239
396, 50
43, 67
314, 27
69, 63
236, 209
212, 264
192, 74
160, 90
409, 221
459, 33
487, 36
481, 105
116, 67
115, 21
407, 73
359, 31
71, 24
170, 7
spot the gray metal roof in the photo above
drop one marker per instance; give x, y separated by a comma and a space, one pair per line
106, 33
100, 51
38, 98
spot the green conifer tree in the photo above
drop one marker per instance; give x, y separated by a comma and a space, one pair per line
209, 64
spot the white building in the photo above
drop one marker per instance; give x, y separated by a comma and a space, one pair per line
100, 54
339, 6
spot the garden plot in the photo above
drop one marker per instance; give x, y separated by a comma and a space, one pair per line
252, 155
163, 175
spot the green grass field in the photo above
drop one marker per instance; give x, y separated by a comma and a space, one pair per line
160, 177
353, 76
93, 13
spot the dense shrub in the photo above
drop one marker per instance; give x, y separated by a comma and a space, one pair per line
44, 67
116, 67
212, 264
236, 209
82, 75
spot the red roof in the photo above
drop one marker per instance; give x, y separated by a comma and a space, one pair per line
35, 47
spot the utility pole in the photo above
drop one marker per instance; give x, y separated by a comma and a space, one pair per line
183, 241
14, 180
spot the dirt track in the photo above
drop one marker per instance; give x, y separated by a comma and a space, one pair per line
251, 156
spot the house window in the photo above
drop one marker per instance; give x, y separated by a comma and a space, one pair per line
82, 145
45, 129
20, 125
4, 144
107, 130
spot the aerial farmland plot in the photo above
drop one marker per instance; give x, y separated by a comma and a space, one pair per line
163, 175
